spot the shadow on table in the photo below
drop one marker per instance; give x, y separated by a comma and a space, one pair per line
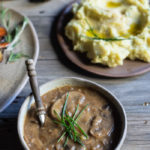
9, 139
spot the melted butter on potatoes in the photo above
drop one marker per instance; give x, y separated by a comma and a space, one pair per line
110, 31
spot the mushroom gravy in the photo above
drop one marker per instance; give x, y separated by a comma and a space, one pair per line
97, 120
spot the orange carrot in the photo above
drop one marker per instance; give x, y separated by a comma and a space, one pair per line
3, 32
3, 45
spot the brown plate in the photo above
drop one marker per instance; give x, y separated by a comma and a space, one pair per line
129, 68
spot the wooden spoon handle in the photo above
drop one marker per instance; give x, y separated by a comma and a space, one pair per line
34, 86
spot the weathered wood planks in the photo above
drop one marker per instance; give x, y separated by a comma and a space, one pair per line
132, 92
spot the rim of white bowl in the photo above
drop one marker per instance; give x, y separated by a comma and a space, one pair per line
102, 90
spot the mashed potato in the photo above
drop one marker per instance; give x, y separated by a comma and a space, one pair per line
110, 31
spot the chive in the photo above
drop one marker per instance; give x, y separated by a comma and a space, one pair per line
64, 107
61, 137
58, 117
79, 141
91, 29
71, 136
107, 39
66, 141
75, 112
61, 123
77, 118
70, 124
96, 37
71, 127
81, 130
79, 127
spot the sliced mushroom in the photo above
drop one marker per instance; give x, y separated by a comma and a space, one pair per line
74, 99
97, 147
69, 147
102, 126
59, 147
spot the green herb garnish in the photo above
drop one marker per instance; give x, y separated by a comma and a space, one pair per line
14, 56
96, 36
13, 33
3, 13
66, 141
72, 129
91, 30
107, 39
16, 33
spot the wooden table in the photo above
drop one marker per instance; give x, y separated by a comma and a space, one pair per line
134, 93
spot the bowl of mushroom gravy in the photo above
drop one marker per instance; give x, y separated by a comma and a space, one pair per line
80, 115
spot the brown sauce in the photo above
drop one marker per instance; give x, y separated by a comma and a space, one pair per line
97, 120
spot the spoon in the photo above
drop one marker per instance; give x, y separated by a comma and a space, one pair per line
35, 89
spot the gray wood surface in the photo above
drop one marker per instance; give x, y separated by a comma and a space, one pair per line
134, 93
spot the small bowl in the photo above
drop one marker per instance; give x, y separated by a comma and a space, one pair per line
73, 81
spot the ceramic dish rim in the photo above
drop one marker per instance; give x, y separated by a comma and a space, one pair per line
35, 57
102, 89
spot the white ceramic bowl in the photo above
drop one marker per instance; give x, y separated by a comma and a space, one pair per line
75, 82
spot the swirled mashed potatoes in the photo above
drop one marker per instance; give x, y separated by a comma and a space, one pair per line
110, 31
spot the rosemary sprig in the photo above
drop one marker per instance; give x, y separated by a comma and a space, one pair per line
13, 34
96, 36
3, 13
18, 31
14, 56
70, 124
